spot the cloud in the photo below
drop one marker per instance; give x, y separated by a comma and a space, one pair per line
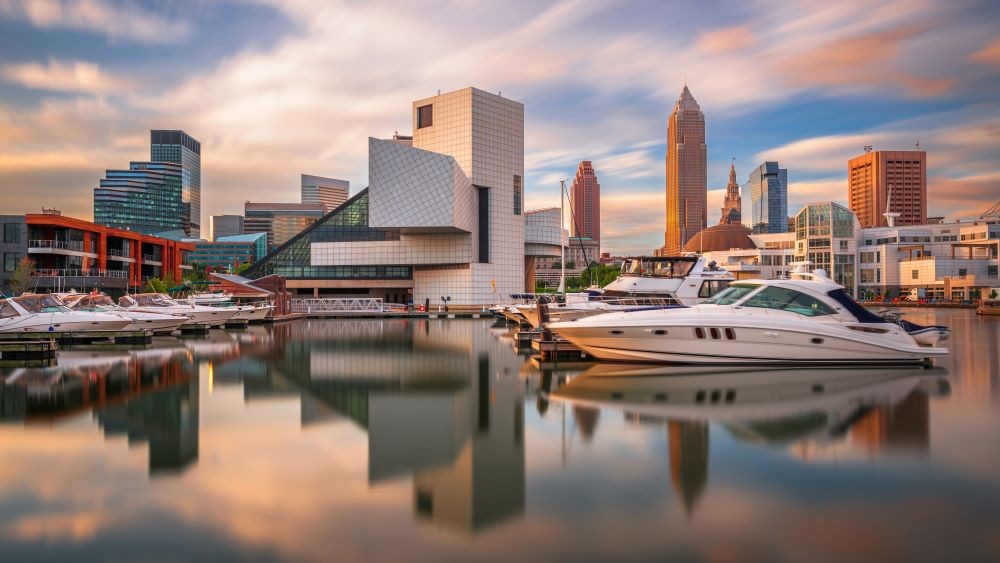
727, 40
989, 54
861, 61
57, 76
114, 20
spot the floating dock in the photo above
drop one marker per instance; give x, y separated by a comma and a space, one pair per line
28, 349
119, 337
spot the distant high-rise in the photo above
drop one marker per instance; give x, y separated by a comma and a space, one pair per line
281, 221
585, 199
328, 192
145, 198
765, 199
870, 178
687, 176
731, 206
226, 226
179, 148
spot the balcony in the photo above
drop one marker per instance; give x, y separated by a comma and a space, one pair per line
63, 280
58, 273
119, 256
66, 248
152, 259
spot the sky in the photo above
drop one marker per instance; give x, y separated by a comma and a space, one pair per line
277, 88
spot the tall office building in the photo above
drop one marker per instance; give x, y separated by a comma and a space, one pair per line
146, 198
281, 221
179, 148
328, 192
871, 176
687, 173
585, 200
765, 199
732, 204
226, 226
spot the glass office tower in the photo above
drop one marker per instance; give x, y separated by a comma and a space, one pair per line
179, 148
145, 198
765, 200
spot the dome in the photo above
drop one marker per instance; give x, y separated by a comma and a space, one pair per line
720, 237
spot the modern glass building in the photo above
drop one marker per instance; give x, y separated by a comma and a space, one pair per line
826, 234
145, 198
281, 221
179, 148
765, 199
228, 253
328, 192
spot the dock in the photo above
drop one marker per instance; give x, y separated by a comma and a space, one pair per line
28, 349
118, 337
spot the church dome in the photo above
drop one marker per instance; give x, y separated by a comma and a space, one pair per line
721, 237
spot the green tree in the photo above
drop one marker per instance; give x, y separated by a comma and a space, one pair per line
242, 268
993, 294
156, 285
20, 279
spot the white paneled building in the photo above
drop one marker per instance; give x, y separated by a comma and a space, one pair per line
442, 217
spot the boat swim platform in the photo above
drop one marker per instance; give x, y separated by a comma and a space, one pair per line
35, 349
119, 337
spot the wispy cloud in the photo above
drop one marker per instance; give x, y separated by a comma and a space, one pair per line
121, 20
57, 76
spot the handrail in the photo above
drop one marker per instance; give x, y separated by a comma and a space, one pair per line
76, 246
78, 273
337, 305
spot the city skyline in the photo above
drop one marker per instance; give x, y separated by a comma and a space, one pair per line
83, 83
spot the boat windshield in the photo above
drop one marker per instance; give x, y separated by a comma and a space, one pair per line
789, 300
152, 300
94, 302
657, 268
40, 303
732, 294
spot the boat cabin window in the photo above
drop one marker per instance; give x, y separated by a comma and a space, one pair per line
789, 300
710, 287
93, 301
146, 299
40, 303
733, 293
656, 268
7, 310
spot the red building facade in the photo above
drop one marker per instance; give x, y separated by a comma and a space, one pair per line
585, 197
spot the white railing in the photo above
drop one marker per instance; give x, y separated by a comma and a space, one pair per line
58, 273
151, 258
337, 305
56, 245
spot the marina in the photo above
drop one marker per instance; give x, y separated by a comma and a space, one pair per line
446, 436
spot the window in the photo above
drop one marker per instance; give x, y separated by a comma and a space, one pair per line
425, 116
843, 245
7, 310
517, 194
10, 260
711, 287
11, 232
789, 300
914, 274
484, 225
962, 272
732, 294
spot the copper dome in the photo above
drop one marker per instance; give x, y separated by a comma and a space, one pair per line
720, 237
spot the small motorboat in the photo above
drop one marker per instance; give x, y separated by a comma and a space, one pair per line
929, 335
46, 313
197, 315
249, 312
807, 320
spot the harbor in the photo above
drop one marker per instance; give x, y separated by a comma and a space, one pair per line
392, 409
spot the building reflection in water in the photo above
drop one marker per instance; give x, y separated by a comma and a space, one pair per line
440, 402
812, 413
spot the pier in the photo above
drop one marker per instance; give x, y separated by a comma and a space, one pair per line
118, 337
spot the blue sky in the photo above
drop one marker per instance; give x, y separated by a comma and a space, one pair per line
278, 88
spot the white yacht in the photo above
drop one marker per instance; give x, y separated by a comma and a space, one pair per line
46, 313
249, 312
159, 323
807, 319
197, 315
644, 283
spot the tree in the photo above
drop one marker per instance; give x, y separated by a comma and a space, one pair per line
993, 294
570, 265
156, 285
244, 266
20, 279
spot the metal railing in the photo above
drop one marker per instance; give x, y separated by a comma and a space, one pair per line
338, 305
71, 273
75, 246
151, 258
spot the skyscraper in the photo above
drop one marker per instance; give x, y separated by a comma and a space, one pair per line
585, 200
281, 221
731, 206
765, 199
870, 177
179, 148
328, 192
687, 176
226, 226
145, 198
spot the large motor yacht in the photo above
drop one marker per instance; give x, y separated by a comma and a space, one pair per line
644, 283
249, 312
159, 323
46, 313
197, 315
807, 319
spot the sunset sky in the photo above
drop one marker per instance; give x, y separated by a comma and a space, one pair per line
275, 88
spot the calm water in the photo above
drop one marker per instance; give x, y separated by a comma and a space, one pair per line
435, 440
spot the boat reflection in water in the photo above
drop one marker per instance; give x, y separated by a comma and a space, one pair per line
809, 412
